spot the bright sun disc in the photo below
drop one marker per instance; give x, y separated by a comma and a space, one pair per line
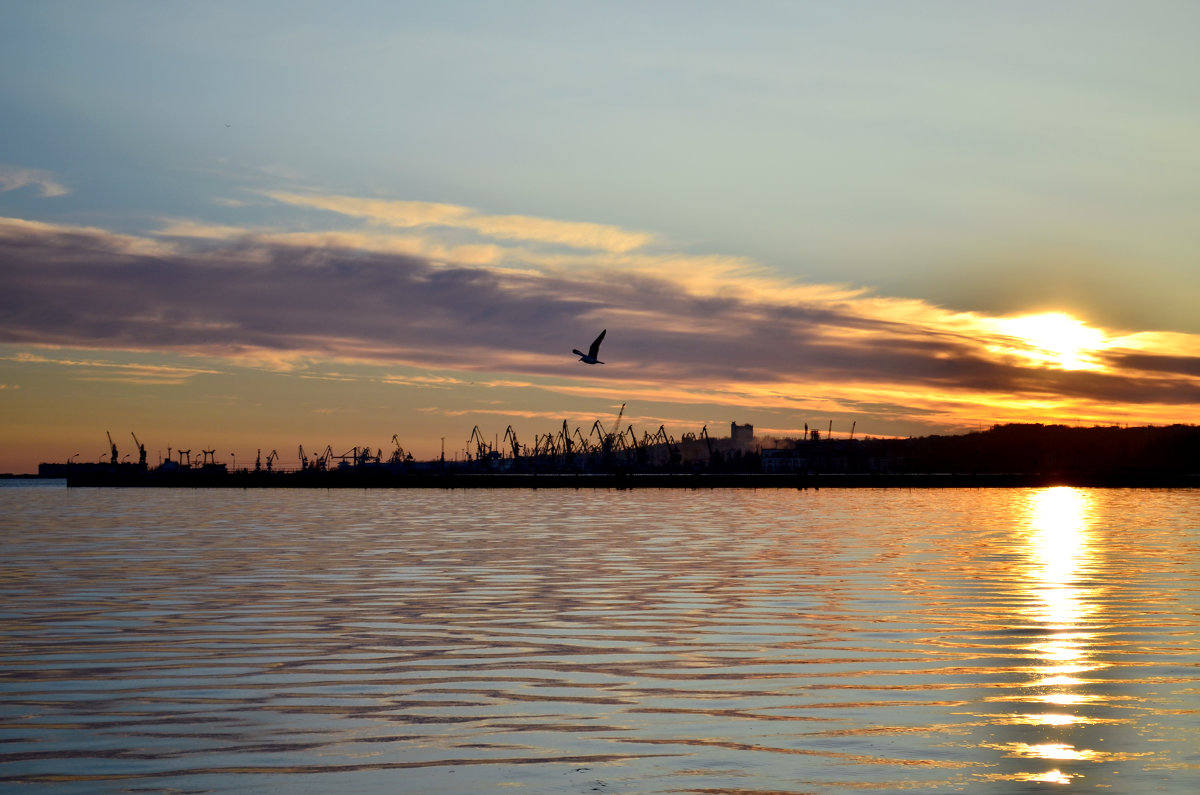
1056, 338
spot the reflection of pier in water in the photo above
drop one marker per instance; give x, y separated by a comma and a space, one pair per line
1066, 707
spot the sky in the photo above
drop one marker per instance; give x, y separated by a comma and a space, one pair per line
249, 226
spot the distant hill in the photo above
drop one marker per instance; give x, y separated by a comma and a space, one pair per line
1016, 448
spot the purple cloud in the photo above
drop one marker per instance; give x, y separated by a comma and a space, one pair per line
90, 288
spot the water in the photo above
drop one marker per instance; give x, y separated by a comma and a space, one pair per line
743, 642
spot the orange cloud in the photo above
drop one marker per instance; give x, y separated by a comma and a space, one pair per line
120, 372
689, 331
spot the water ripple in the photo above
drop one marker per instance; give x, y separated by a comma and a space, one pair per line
634, 642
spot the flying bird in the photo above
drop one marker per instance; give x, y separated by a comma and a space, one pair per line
593, 351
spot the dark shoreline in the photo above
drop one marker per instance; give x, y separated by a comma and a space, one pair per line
1005, 456
464, 480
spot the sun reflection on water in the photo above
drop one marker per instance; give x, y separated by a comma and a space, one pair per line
1059, 550
1062, 605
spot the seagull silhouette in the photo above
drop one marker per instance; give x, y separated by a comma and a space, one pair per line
593, 351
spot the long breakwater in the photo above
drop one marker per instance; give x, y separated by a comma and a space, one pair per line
369, 478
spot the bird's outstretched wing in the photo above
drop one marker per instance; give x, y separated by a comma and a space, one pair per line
594, 350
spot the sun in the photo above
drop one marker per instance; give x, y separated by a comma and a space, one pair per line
1055, 339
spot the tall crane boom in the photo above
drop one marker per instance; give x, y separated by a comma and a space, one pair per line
511, 436
481, 445
141, 449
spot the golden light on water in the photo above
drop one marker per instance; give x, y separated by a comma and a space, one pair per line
1052, 777
1053, 751
1049, 719
1059, 553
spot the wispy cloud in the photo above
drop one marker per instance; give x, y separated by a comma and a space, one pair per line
12, 178
119, 372
410, 215
277, 299
365, 241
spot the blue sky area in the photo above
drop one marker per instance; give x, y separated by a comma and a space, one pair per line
968, 162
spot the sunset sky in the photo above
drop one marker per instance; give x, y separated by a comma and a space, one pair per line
250, 226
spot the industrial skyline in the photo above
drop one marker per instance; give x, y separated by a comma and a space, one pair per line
246, 226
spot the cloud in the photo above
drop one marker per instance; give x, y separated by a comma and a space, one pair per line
120, 372
1157, 363
410, 214
274, 298
197, 229
12, 178
62, 243
425, 247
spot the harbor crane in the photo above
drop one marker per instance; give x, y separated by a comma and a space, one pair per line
357, 456
181, 454
113, 458
545, 445
616, 438
271, 459
510, 436
399, 455
607, 440
669, 441
639, 452
603, 438
708, 441
322, 461
482, 448
141, 449
210, 457
565, 435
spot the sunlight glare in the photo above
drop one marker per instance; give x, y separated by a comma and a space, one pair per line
1058, 554
1052, 719
1057, 339
1052, 777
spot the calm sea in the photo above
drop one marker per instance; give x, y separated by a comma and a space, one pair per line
647, 641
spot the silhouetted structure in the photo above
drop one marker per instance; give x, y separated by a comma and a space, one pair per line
742, 436
1005, 455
